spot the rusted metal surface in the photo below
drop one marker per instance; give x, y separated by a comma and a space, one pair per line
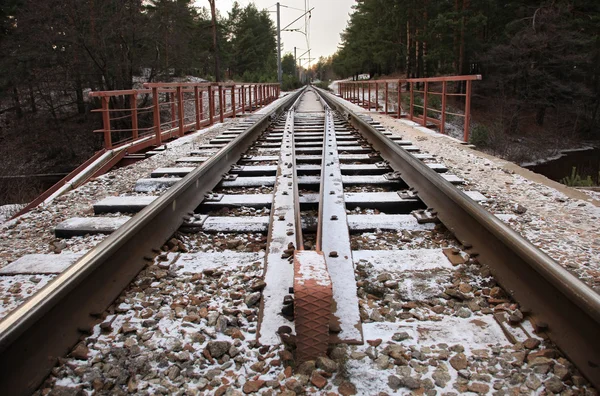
121, 125
566, 309
312, 305
347, 89
45, 327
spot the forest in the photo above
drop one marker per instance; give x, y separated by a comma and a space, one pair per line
55, 51
540, 62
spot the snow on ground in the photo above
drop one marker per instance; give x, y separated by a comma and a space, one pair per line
7, 211
563, 222
34, 231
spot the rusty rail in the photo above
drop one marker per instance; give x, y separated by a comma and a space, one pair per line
561, 306
46, 326
419, 99
165, 110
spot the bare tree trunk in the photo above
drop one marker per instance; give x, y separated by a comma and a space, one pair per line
79, 95
32, 104
17, 102
424, 42
214, 32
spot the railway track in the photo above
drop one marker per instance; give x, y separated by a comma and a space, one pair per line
292, 232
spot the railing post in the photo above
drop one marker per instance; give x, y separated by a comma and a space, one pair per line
362, 102
243, 98
399, 99
376, 97
196, 104
222, 103
425, 104
233, 100
443, 116
211, 105
201, 103
106, 123
134, 115
386, 98
467, 111
171, 99
412, 100
369, 102
180, 111
156, 105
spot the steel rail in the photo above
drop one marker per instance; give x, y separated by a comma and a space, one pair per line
51, 322
565, 308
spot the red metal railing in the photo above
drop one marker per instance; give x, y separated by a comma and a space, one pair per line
162, 111
420, 94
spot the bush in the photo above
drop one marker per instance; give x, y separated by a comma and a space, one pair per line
479, 136
574, 180
290, 83
323, 85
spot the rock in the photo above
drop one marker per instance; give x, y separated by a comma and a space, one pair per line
519, 209
411, 383
318, 380
326, 364
173, 372
561, 371
441, 377
202, 383
401, 336
80, 352
218, 348
294, 385
531, 343
306, 368
358, 355
554, 385
347, 388
253, 386
516, 317
533, 382
459, 361
394, 382
463, 313
479, 388
252, 299
128, 328
235, 333
258, 366
258, 286
375, 343
284, 330
382, 362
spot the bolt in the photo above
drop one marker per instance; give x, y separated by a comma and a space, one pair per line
333, 253
334, 217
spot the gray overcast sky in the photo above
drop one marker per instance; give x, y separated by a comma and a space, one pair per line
327, 22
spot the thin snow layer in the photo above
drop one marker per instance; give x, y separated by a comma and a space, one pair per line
14, 290
403, 260
41, 263
7, 211
564, 224
33, 232
312, 267
227, 260
473, 334
279, 274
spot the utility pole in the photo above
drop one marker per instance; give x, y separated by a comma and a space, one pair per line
279, 78
214, 32
295, 64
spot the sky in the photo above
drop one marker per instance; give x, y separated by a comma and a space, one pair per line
328, 20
